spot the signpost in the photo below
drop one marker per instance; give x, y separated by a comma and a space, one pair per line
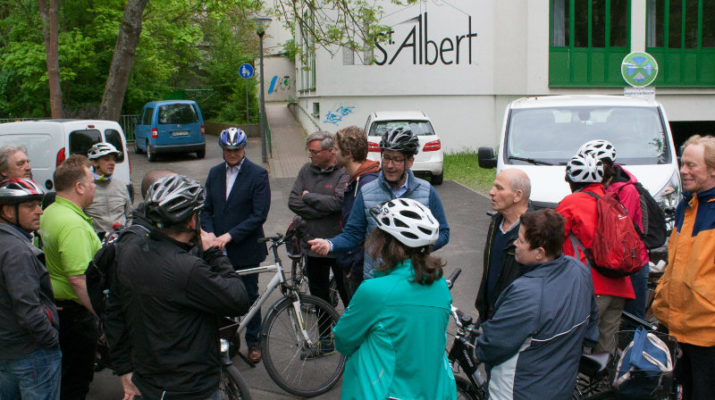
639, 69
246, 72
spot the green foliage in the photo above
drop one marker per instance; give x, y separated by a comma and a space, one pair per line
464, 168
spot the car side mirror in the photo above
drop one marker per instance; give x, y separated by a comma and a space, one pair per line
486, 157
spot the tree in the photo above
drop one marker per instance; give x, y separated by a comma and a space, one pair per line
50, 34
123, 60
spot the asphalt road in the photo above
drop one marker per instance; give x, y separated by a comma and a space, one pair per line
466, 213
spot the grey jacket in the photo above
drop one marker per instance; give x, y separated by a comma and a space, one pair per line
321, 207
27, 310
111, 204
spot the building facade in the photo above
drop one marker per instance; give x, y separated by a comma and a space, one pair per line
463, 61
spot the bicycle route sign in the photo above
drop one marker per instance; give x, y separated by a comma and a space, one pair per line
246, 71
639, 69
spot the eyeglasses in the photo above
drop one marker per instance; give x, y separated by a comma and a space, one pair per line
394, 161
316, 152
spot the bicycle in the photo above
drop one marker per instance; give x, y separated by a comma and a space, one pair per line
296, 336
231, 385
596, 371
461, 355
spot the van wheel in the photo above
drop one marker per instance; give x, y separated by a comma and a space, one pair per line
150, 155
137, 149
201, 154
437, 179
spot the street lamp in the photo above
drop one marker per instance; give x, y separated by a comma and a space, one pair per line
261, 26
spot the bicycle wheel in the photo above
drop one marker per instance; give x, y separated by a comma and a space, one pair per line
295, 366
232, 386
465, 390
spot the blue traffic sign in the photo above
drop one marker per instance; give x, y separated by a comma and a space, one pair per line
246, 71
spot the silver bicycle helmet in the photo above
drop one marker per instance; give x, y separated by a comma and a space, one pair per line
408, 221
401, 140
20, 190
173, 199
599, 148
232, 139
102, 149
584, 169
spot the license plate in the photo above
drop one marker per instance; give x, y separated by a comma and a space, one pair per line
180, 133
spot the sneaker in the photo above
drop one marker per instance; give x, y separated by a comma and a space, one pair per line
324, 347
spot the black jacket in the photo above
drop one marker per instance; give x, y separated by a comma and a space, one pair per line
510, 269
163, 315
27, 309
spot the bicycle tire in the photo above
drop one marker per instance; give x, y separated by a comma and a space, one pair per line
232, 386
284, 349
466, 391
334, 293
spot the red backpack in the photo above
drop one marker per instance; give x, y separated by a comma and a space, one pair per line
616, 248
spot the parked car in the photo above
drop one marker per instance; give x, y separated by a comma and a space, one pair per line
540, 134
170, 126
49, 142
428, 160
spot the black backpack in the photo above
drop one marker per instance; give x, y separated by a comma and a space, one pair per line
100, 271
653, 219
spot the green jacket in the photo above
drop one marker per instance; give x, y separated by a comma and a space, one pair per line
395, 334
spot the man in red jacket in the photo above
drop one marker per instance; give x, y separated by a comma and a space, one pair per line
584, 173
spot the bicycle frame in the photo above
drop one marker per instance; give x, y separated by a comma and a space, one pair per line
277, 280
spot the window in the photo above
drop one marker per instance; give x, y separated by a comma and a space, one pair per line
177, 114
589, 39
307, 58
146, 119
82, 140
115, 138
419, 128
681, 36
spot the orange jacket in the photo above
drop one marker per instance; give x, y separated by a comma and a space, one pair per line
685, 296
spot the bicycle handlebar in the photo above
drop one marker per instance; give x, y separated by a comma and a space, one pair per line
453, 277
273, 239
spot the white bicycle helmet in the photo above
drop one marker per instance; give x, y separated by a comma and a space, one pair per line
102, 149
408, 221
599, 148
584, 169
173, 199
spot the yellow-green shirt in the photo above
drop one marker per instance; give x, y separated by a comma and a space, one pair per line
69, 243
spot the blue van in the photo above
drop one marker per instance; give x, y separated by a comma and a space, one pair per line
170, 126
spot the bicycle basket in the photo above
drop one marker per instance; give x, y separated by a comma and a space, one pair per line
645, 366
293, 238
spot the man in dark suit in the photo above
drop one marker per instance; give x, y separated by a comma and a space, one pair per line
238, 197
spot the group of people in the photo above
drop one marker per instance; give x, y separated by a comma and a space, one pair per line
375, 226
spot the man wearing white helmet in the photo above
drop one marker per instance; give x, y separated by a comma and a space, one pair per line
621, 182
584, 173
112, 207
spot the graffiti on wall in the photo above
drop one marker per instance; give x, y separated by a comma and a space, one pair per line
283, 84
335, 117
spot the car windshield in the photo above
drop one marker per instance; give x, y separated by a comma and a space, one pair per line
177, 114
553, 135
417, 127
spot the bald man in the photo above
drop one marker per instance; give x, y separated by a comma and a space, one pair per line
510, 199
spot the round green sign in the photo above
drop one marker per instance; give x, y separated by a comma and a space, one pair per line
639, 69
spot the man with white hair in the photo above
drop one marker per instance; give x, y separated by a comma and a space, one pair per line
510, 199
14, 162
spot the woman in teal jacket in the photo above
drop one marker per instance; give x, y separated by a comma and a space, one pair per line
395, 329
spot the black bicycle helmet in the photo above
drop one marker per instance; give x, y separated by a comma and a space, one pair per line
401, 140
19, 190
173, 199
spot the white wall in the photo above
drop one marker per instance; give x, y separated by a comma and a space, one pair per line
280, 79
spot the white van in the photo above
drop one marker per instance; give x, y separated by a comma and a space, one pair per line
540, 134
49, 142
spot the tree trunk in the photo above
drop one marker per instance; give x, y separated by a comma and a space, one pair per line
122, 61
50, 32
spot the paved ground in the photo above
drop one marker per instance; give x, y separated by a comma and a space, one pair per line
466, 213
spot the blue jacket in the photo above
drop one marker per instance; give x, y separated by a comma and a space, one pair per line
242, 214
353, 259
394, 332
378, 191
535, 339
